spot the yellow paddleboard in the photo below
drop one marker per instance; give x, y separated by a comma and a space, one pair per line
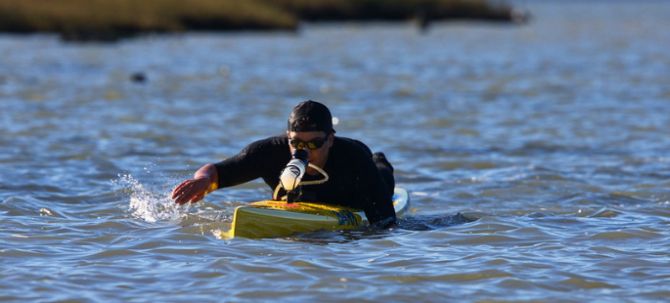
268, 219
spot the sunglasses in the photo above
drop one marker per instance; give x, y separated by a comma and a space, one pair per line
311, 144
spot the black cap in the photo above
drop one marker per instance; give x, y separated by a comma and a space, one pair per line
310, 116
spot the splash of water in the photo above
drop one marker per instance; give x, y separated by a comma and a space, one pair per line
148, 205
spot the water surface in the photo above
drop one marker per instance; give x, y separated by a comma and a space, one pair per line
552, 136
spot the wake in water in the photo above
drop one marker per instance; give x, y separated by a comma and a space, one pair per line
156, 205
150, 206
411, 223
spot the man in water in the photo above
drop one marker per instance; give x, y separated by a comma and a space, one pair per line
346, 172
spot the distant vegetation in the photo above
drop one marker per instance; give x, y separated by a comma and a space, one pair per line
337, 10
114, 19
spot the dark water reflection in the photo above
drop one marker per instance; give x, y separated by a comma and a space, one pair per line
430, 222
536, 158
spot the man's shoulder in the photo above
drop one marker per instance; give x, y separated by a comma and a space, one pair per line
272, 141
352, 146
269, 144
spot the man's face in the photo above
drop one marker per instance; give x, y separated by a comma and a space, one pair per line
308, 140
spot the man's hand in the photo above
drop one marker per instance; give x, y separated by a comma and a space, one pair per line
192, 190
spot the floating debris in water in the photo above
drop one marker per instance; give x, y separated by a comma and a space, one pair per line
46, 212
138, 77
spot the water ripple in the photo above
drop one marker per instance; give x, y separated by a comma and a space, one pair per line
535, 156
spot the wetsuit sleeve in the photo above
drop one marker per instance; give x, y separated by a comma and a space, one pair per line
249, 164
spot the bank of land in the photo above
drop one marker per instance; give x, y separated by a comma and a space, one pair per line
115, 19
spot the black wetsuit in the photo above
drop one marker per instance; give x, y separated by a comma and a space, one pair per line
356, 180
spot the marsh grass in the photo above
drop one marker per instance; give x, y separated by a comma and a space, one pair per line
109, 20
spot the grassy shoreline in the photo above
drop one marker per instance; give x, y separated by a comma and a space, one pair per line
110, 20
